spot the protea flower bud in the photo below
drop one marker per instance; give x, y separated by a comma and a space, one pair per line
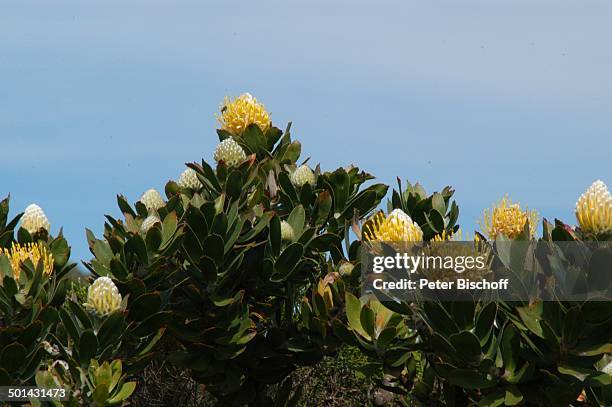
508, 219
397, 227
152, 200
189, 179
34, 252
286, 231
244, 110
148, 223
229, 152
594, 209
103, 297
302, 175
34, 219
346, 268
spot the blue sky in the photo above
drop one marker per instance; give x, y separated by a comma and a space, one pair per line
113, 97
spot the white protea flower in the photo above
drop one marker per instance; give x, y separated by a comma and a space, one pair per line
189, 179
103, 297
148, 223
286, 231
229, 152
34, 219
152, 200
302, 175
594, 209
346, 268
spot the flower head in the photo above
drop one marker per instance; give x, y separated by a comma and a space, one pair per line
148, 223
286, 231
34, 219
34, 252
238, 114
229, 152
509, 219
594, 209
152, 200
397, 227
302, 175
189, 179
103, 297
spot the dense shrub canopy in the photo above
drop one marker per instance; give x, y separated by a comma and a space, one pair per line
248, 269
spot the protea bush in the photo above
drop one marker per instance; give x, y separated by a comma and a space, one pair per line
248, 266
495, 353
33, 267
233, 263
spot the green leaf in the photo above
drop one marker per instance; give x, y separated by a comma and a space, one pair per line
470, 379
341, 185
137, 245
88, 347
5, 379
437, 203
275, 235
145, 305
484, 322
168, 228
81, 315
234, 185
468, 345
297, 219
261, 224
366, 317
124, 206
323, 208
292, 153
100, 394
126, 391
4, 210
153, 238
325, 242
510, 348
254, 138
103, 252
31, 333
111, 329
287, 261
13, 356
61, 252
353, 314
213, 247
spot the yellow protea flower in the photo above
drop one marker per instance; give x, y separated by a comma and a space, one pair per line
35, 252
509, 219
103, 297
457, 236
238, 114
594, 209
397, 227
